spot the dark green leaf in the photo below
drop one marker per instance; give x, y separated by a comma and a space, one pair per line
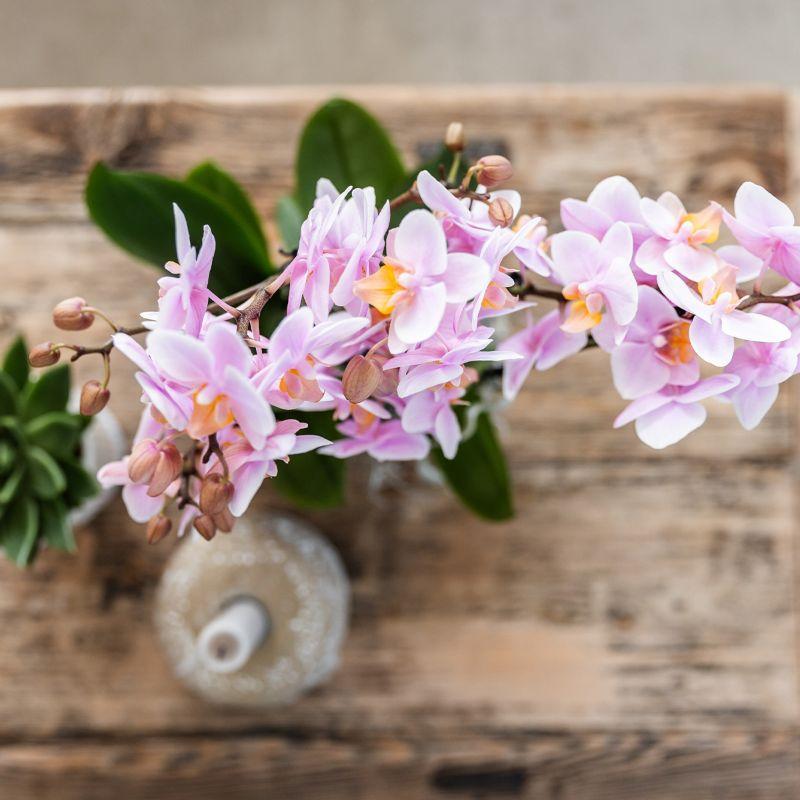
210, 178
47, 479
57, 432
289, 217
15, 363
20, 526
345, 144
312, 480
54, 526
8, 395
134, 209
12, 483
8, 457
49, 393
80, 484
479, 474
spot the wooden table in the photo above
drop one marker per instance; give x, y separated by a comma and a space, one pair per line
631, 634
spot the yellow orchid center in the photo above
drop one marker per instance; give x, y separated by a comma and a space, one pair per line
673, 345
705, 224
208, 418
363, 418
585, 310
723, 281
300, 387
381, 289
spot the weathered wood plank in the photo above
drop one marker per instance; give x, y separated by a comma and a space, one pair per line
535, 765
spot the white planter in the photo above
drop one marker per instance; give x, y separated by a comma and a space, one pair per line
273, 595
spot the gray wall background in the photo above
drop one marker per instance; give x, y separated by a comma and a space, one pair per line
219, 42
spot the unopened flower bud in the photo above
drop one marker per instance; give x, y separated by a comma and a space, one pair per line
169, 466
71, 315
454, 137
216, 492
224, 520
158, 527
390, 378
44, 355
501, 212
491, 170
143, 461
94, 398
205, 526
361, 378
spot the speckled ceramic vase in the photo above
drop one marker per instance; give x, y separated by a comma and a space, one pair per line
255, 617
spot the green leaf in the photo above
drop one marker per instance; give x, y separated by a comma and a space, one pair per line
80, 484
289, 217
20, 527
8, 490
345, 144
479, 474
57, 433
134, 209
47, 479
8, 457
8, 395
15, 363
210, 178
54, 526
312, 480
49, 393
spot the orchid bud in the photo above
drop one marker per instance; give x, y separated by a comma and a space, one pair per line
143, 461
158, 527
224, 520
216, 492
71, 315
94, 398
44, 355
491, 170
361, 378
454, 137
501, 212
390, 378
205, 526
168, 467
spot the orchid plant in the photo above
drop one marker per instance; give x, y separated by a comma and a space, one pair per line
380, 333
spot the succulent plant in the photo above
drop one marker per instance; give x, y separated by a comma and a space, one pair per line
41, 476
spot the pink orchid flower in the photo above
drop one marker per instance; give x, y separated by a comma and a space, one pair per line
673, 412
418, 278
250, 466
656, 350
598, 282
541, 344
716, 317
168, 398
215, 372
680, 239
139, 504
383, 440
614, 199
298, 353
183, 300
766, 227
432, 412
761, 368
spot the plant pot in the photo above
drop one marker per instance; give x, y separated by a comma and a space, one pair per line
210, 595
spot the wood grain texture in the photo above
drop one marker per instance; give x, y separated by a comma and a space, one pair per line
632, 633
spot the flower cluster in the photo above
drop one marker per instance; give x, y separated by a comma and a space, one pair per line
388, 329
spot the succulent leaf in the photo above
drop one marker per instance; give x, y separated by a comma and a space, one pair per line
54, 526
47, 479
57, 432
15, 363
49, 393
20, 528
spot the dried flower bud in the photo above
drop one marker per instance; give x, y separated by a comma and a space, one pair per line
205, 526
143, 461
361, 378
94, 398
501, 212
216, 492
169, 466
71, 315
454, 137
158, 527
491, 170
44, 355
224, 520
